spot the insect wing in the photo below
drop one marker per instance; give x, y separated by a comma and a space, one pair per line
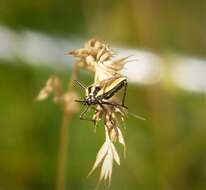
110, 86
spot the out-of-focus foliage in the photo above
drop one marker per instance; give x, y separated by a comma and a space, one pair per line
165, 152
158, 25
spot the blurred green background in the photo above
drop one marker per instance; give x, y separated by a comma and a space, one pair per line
165, 152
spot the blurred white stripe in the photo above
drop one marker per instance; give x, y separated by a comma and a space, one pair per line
189, 74
146, 67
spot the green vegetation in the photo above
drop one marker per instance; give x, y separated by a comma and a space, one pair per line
167, 151
176, 25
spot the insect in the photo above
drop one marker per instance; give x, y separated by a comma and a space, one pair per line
99, 93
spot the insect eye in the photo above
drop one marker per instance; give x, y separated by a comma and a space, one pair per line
98, 88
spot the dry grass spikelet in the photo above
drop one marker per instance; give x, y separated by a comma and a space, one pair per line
108, 153
67, 99
97, 57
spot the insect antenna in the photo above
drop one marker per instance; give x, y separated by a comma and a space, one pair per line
81, 101
80, 84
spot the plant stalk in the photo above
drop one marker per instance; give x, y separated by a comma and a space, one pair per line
64, 138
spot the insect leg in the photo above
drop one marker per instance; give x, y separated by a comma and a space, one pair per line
125, 91
114, 104
100, 103
83, 114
